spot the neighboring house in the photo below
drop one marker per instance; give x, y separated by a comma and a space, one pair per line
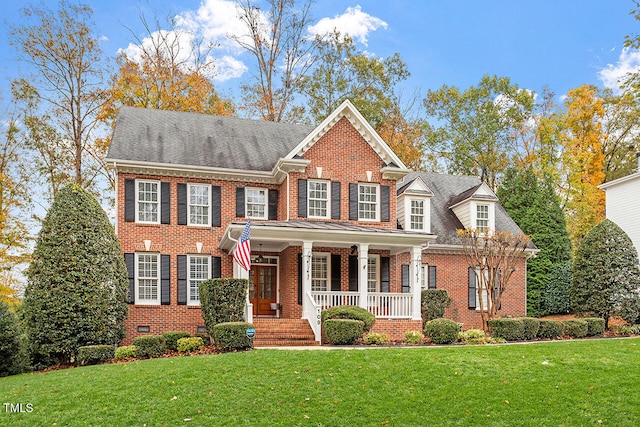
336, 218
623, 204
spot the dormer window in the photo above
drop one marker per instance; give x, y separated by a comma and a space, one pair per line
414, 206
482, 217
416, 219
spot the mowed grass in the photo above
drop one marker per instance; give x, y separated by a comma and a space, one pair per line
573, 383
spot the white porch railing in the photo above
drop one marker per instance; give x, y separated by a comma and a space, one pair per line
381, 304
248, 310
312, 313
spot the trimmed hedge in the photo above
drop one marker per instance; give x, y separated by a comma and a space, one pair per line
374, 338
172, 337
550, 328
531, 326
576, 328
150, 345
511, 329
231, 336
442, 331
94, 354
433, 304
343, 331
189, 344
222, 301
595, 326
349, 312
125, 352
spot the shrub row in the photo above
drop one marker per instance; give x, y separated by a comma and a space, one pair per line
527, 328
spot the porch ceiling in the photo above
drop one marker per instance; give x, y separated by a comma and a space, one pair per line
277, 235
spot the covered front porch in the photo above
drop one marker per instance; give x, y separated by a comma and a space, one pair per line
300, 268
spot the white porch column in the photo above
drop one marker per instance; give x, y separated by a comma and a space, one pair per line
363, 259
416, 288
307, 251
241, 273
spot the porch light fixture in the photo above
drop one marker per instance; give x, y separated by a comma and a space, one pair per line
260, 258
354, 249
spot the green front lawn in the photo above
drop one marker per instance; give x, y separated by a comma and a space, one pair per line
573, 383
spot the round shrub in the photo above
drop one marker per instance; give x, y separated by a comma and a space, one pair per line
442, 331
231, 336
150, 345
374, 338
93, 354
576, 328
349, 312
125, 352
171, 338
343, 331
472, 336
595, 326
413, 337
531, 326
550, 328
511, 329
189, 344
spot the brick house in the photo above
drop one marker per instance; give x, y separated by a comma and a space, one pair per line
336, 218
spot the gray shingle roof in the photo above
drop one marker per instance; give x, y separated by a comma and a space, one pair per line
447, 189
169, 137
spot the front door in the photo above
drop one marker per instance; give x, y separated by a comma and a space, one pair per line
262, 289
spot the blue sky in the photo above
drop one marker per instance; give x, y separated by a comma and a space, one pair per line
561, 44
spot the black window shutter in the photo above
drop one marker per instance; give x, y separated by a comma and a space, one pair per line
182, 204
473, 291
385, 205
353, 273
182, 279
273, 205
302, 198
240, 202
216, 206
406, 287
335, 200
216, 267
130, 261
353, 201
165, 279
385, 274
299, 279
129, 200
432, 277
165, 203
335, 272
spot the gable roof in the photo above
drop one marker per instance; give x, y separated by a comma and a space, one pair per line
454, 188
179, 138
474, 193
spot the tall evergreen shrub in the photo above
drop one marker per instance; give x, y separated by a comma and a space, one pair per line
222, 301
77, 282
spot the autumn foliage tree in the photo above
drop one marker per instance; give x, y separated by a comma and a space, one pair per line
494, 257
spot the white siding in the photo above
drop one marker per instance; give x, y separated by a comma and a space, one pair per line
463, 212
400, 211
623, 208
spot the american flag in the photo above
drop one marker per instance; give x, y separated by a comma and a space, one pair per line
242, 252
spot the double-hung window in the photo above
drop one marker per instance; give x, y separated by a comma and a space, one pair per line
368, 202
198, 273
373, 273
199, 204
320, 272
256, 203
416, 216
147, 278
482, 217
148, 201
318, 199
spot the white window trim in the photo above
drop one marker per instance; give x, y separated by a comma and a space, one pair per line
378, 284
138, 300
326, 255
377, 213
328, 200
266, 202
491, 212
159, 202
208, 187
425, 210
189, 278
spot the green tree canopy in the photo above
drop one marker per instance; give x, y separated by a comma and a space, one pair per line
77, 282
605, 272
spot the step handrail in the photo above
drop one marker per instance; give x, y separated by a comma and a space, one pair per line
313, 313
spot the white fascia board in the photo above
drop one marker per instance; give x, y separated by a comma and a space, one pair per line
619, 181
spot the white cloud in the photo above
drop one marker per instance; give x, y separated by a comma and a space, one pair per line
614, 74
353, 21
228, 67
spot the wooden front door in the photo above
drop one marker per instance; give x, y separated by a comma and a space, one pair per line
263, 288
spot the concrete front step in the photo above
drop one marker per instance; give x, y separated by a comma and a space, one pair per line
271, 332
